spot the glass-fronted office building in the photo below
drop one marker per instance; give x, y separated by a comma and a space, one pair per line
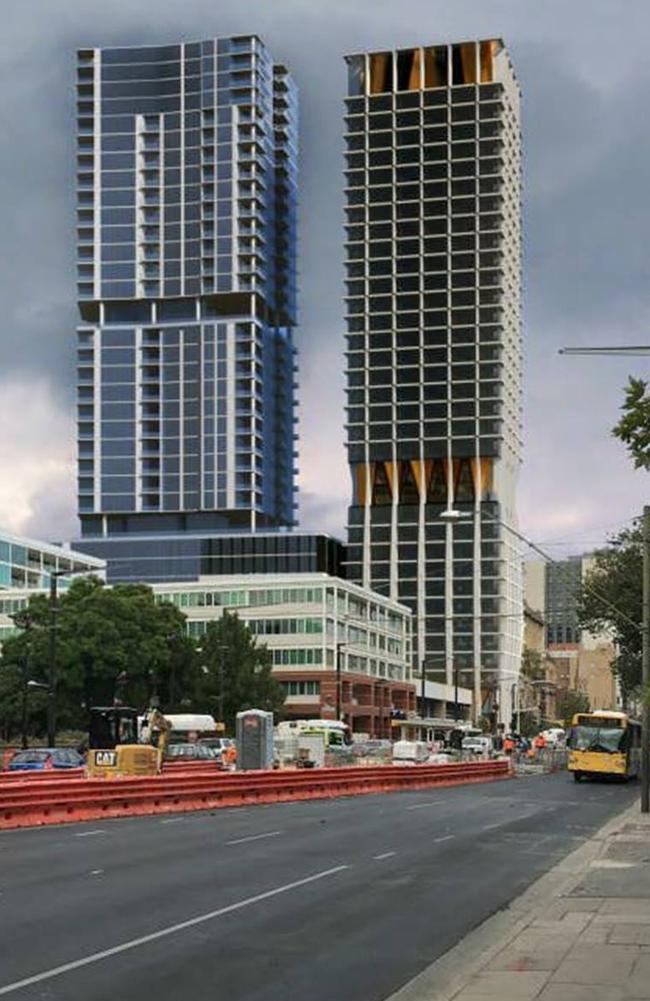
27, 566
186, 233
190, 555
434, 352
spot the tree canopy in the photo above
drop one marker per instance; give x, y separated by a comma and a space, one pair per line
633, 428
119, 644
611, 598
571, 702
230, 654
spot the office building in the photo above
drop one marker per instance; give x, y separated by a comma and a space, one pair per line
582, 661
26, 566
186, 233
434, 352
306, 621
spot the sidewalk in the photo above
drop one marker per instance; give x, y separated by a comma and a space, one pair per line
580, 933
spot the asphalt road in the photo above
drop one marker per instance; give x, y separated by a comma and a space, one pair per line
347, 898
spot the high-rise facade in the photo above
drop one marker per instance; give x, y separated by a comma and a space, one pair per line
582, 661
553, 589
186, 232
434, 352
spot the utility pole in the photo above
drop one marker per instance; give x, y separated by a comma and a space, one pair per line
51, 693
338, 680
645, 663
25, 696
220, 702
423, 684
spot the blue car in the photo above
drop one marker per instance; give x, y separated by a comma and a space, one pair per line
38, 759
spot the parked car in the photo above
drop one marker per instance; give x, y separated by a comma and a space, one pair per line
192, 752
38, 759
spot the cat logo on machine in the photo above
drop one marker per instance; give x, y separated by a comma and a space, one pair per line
106, 759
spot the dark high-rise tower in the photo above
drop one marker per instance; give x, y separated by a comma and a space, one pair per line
433, 351
186, 229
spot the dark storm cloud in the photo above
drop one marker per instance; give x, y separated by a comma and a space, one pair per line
585, 78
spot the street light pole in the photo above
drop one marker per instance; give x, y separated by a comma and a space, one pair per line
645, 666
51, 694
221, 691
25, 697
221, 649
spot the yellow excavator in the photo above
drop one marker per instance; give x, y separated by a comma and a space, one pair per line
117, 747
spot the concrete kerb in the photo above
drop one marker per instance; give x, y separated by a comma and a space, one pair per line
444, 979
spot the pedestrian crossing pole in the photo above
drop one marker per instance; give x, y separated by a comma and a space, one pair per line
645, 665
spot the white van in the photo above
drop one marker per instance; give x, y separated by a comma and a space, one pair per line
483, 745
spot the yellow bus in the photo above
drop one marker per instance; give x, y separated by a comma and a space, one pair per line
604, 743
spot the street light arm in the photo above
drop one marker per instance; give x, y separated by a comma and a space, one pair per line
624, 351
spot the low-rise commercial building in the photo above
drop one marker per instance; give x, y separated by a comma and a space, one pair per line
333, 645
322, 632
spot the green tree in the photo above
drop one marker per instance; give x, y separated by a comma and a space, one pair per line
114, 643
610, 599
236, 671
571, 702
633, 429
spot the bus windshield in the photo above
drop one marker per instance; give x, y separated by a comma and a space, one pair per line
597, 738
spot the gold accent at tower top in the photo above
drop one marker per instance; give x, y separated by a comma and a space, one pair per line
425, 68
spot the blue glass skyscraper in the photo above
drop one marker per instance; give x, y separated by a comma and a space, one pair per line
186, 230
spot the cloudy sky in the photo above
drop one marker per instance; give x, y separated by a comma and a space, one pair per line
585, 74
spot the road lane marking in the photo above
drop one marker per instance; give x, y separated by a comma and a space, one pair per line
378, 858
421, 806
173, 820
447, 837
135, 943
96, 872
254, 837
89, 834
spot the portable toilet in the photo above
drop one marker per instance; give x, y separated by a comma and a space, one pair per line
254, 739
